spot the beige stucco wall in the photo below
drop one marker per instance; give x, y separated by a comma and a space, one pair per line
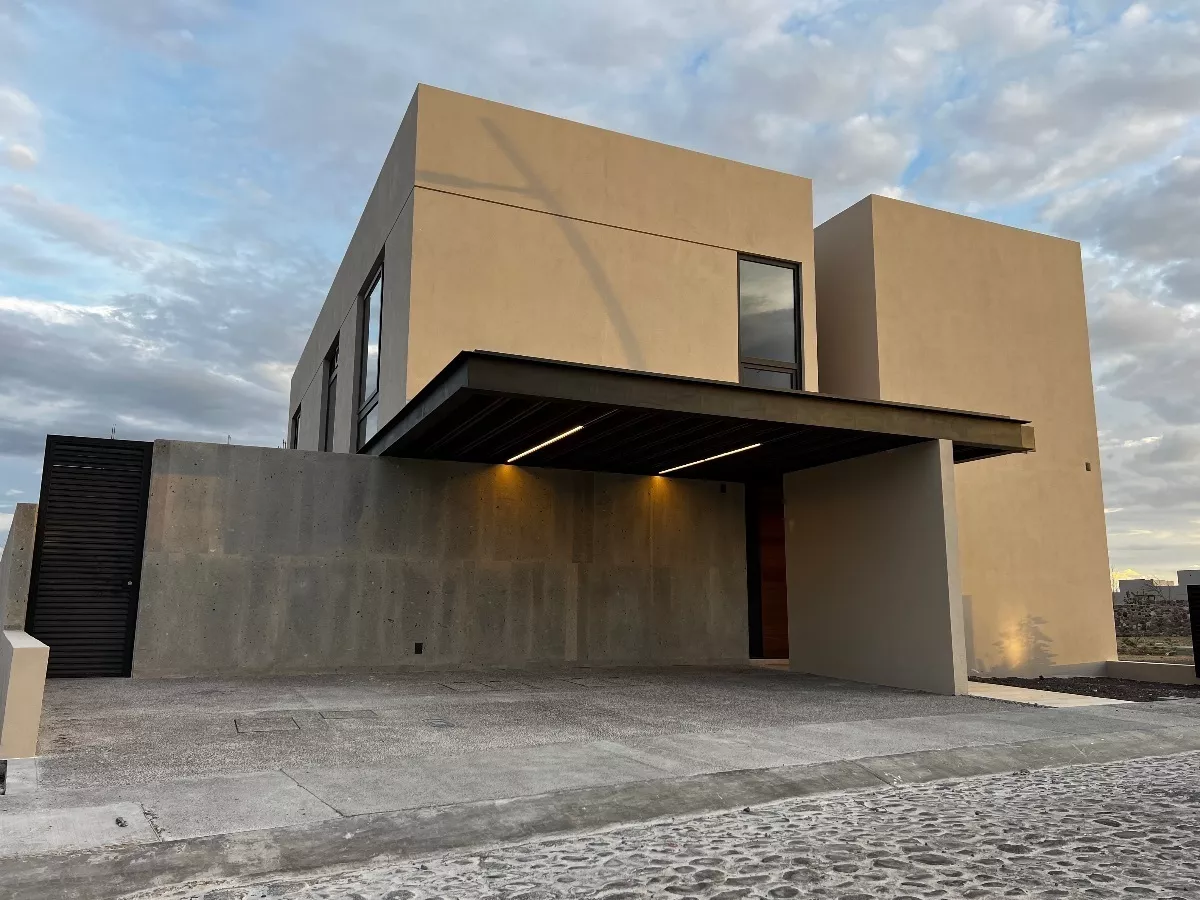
554, 287
384, 205
973, 315
845, 315
519, 232
260, 560
872, 563
23, 662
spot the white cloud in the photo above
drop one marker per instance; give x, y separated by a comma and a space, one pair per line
49, 313
18, 156
68, 224
1137, 14
19, 115
197, 235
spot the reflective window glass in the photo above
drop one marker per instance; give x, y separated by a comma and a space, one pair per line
768, 378
368, 425
767, 306
370, 357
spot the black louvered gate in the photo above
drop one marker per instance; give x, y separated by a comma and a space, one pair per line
87, 556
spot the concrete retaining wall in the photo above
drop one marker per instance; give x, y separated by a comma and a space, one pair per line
1163, 673
267, 561
16, 566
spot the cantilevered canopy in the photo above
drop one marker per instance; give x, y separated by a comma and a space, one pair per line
493, 408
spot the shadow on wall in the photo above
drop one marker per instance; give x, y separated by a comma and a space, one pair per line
1023, 649
536, 188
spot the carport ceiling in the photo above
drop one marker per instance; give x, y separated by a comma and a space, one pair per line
490, 407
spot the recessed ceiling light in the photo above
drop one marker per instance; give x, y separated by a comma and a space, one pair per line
545, 443
708, 458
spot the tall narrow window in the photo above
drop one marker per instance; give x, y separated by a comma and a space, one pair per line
372, 313
769, 323
294, 430
330, 416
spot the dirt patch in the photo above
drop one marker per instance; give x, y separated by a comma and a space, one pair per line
1113, 688
1156, 648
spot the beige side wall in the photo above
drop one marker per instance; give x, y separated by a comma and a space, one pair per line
380, 214
487, 276
538, 235
872, 563
589, 245
849, 346
974, 315
16, 566
262, 561
23, 662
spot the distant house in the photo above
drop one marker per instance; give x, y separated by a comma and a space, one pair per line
1150, 589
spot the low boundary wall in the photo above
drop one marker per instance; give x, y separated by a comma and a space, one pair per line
263, 560
1166, 673
16, 566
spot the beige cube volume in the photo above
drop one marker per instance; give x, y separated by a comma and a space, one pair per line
22, 682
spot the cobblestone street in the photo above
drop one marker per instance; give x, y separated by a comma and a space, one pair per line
1118, 830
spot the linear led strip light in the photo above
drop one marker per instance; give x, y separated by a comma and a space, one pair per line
709, 458
567, 433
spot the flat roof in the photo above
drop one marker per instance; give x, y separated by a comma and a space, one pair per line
492, 407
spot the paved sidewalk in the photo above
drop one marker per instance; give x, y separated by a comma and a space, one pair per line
216, 756
181, 761
1034, 697
1104, 831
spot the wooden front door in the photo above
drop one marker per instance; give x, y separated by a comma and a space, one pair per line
766, 567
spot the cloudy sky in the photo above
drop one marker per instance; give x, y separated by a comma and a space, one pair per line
178, 179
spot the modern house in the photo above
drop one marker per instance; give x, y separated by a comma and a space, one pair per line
580, 397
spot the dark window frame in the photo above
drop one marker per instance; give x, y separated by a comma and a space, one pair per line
294, 429
368, 404
773, 365
329, 400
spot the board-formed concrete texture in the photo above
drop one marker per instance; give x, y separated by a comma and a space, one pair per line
264, 560
571, 232
872, 567
23, 662
16, 565
922, 306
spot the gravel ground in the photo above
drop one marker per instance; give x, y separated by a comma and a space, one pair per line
1114, 688
1129, 829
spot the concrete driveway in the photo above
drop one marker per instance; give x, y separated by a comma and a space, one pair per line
178, 759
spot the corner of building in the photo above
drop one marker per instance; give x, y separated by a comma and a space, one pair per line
975, 315
847, 340
338, 320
